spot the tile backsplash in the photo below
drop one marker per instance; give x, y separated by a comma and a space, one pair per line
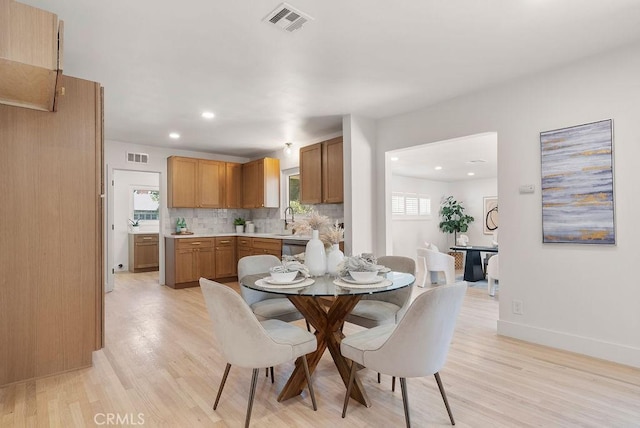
209, 221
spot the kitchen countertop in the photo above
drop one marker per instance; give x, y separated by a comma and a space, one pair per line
143, 232
248, 235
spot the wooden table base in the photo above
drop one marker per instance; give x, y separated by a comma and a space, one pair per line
328, 325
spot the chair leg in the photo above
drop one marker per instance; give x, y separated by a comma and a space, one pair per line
252, 393
393, 384
352, 378
271, 371
308, 376
308, 326
266, 372
444, 397
224, 379
405, 401
378, 377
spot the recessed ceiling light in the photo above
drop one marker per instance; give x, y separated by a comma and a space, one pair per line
438, 168
395, 158
208, 115
471, 173
174, 135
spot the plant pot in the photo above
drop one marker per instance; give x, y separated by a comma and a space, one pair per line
135, 228
239, 229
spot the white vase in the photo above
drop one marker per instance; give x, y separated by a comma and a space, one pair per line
334, 258
314, 256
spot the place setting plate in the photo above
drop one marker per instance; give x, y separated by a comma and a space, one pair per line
348, 282
297, 282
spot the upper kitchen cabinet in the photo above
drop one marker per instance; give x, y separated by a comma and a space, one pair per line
233, 183
261, 183
195, 183
321, 173
31, 42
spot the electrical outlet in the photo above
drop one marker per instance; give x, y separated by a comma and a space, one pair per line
516, 307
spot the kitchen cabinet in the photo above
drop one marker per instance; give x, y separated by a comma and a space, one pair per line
226, 262
143, 252
187, 260
233, 185
257, 246
31, 44
322, 173
261, 183
195, 183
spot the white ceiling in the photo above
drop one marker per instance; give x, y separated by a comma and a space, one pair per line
162, 63
458, 157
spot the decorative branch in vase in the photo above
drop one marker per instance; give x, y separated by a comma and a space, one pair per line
332, 237
314, 256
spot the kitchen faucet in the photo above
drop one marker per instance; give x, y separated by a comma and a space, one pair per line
286, 224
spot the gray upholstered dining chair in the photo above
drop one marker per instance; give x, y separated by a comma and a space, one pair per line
385, 308
417, 346
265, 305
246, 342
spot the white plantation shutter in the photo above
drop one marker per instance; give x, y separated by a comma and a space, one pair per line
410, 206
397, 204
425, 205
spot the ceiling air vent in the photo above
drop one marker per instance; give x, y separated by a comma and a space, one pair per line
137, 157
287, 17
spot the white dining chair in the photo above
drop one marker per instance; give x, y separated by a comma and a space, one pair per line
492, 275
417, 346
246, 342
431, 263
385, 308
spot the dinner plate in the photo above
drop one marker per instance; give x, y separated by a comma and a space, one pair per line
341, 283
350, 280
276, 282
304, 283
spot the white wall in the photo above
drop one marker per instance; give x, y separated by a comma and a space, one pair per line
471, 194
359, 179
576, 297
124, 183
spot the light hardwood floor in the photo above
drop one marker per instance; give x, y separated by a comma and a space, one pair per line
161, 366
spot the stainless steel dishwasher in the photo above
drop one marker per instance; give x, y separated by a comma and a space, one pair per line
291, 247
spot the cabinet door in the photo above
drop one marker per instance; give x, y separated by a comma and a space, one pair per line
244, 251
233, 185
181, 180
311, 174
270, 182
332, 171
210, 184
225, 262
249, 180
146, 255
186, 265
206, 264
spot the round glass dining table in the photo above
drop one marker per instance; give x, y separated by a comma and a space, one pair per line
325, 303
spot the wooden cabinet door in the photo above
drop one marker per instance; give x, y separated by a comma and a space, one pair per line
332, 171
146, 255
186, 265
210, 184
270, 183
225, 257
311, 174
244, 251
206, 264
182, 176
249, 181
233, 185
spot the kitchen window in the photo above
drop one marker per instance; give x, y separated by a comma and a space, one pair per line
145, 204
291, 193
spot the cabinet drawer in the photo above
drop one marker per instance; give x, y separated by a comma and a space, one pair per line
145, 238
228, 241
274, 245
194, 243
245, 242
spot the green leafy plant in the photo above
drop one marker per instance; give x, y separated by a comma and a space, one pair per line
134, 223
239, 221
453, 219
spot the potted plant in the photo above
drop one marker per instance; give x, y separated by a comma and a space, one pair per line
239, 224
135, 225
454, 220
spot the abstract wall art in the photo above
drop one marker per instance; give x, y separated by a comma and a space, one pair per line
577, 184
490, 214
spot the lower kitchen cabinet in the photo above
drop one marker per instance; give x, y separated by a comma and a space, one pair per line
257, 246
187, 260
226, 263
143, 252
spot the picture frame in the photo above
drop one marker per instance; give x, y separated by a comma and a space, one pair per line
577, 184
489, 215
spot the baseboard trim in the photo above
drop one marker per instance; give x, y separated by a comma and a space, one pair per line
616, 353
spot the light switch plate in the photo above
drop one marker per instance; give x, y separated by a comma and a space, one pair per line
527, 188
